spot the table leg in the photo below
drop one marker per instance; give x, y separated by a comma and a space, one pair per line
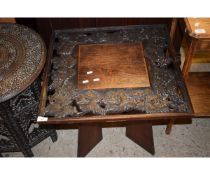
88, 138
141, 134
188, 59
169, 127
173, 29
27, 152
54, 136
175, 52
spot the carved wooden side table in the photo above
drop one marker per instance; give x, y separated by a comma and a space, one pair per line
112, 76
22, 57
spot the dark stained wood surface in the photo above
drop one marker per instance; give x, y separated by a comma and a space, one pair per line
45, 25
124, 123
123, 118
112, 65
118, 118
65, 23
102, 22
169, 126
173, 29
43, 94
88, 138
198, 85
142, 134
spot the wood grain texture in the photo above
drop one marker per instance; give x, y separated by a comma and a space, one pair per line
114, 65
198, 86
198, 23
117, 118
188, 58
202, 53
7, 20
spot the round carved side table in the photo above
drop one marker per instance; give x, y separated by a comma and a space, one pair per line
22, 58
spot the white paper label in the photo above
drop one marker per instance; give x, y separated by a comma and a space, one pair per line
200, 31
85, 81
42, 119
89, 72
96, 79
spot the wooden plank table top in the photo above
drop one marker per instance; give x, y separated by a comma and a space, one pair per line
198, 27
102, 66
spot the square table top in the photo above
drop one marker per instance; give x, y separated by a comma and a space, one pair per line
65, 103
102, 66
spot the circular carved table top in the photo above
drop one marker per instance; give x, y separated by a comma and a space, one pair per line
22, 57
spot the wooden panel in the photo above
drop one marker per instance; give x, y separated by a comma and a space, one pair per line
31, 22
103, 22
196, 25
88, 138
142, 134
199, 89
44, 28
179, 121
7, 20
44, 25
113, 65
202, 53
146, 21
179, 33
202, 45
65, 23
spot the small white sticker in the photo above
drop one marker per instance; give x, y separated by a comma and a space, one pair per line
85, 81
96, 79
200, 31
89, 72
42, 119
